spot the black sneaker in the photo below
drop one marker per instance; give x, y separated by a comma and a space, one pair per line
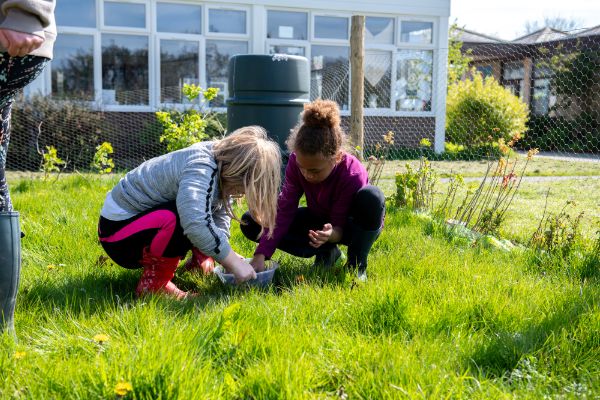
327, 258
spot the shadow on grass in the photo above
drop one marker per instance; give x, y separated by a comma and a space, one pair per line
502, 353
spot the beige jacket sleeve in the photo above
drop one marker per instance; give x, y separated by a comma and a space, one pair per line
29, 16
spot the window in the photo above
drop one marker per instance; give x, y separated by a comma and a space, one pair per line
124, 69
130, 15
379, 30
179, 18
227, 21
290, 50
287, 25
331, 27
414, 78
76, 13
542, 99
512, 77
329, 74
416, 32
218, 53
73, 67
485, 70
179, 65
378, 74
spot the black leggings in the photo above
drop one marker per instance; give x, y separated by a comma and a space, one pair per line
15, 74
367, 212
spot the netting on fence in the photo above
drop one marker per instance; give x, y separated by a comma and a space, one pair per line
541, 91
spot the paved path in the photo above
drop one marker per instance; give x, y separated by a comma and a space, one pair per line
568, 156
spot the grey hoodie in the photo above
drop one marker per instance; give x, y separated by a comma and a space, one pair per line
189, 176
30, 16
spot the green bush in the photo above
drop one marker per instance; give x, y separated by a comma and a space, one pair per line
69, 126
580, 134
480, 110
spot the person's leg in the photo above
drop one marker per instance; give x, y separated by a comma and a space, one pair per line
15, 73
364, 226
152, 240
295, 241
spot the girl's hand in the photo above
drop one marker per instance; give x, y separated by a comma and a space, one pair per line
317, 238
19, 44
258, 262
239, 267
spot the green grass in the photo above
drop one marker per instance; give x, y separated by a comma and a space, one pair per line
435, 320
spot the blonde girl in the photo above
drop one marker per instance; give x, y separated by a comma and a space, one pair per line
180, 201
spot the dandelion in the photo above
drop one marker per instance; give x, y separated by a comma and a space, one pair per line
19, 355
51, 267
531, 153
123, 388
101, 338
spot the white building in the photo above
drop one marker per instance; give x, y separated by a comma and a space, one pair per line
134, 55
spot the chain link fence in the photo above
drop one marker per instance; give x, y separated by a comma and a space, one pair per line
541, 91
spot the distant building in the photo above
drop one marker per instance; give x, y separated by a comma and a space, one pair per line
528, 66
135, 55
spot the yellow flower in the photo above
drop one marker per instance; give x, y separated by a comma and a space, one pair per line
101, 338
389, 137
299, 278
19, 354
425, 142
51, 267
531, 153
504, 149
123, 388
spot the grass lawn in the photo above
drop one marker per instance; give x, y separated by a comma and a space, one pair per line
435, 320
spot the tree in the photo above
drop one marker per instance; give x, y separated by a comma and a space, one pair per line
558, 23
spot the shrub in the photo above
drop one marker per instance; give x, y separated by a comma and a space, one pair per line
480, 110
69, 126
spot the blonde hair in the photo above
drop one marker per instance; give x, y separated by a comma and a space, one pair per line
248, 158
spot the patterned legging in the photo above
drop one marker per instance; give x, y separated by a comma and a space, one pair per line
15, 74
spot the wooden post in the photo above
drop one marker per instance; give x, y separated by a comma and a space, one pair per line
357, 86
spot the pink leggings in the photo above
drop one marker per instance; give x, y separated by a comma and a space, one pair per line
157, 229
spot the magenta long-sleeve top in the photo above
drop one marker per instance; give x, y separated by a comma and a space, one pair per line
330, 199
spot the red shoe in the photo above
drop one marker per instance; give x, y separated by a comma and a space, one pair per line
199, 261
157, 274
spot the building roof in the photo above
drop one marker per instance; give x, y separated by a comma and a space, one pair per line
467, 36
543, 35
589, 32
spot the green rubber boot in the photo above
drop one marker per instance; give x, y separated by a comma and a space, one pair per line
10, 268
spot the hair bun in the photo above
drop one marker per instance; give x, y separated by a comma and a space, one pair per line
321, 113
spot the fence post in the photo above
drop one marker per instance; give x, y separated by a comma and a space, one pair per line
357, 91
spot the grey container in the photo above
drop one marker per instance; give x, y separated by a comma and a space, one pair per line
267, 90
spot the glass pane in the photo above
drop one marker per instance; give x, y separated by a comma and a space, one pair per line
131, 15
330, 73
379, 30
378, 75
485, 70
124, 69
178, 65
414, 77
73, 67
218, 53
513, 70
76, 13
179, 18
287, 25
331, 27
416, 32
227, 21
290, 50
